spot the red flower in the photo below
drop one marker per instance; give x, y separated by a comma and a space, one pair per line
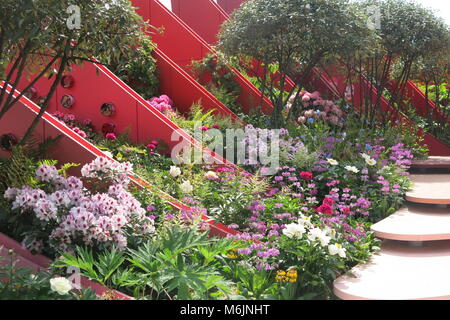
306, 175
325, 209
111, 136
328, 201
346, 210
151, 146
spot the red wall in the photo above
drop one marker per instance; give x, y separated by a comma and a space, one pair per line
230, 5
182, 45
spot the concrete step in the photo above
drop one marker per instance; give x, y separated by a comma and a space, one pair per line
415, 223
432, 162
400, 271
430, 188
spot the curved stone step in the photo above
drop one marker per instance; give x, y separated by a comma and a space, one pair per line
400, 271
432, 162
430, 188
415, 223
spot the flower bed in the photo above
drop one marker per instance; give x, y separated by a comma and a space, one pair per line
295, 230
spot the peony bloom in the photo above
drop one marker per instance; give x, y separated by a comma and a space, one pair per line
328, 201
337, 248
174, 171
60, 285
325, 209
186, 187
306, 175
294, 230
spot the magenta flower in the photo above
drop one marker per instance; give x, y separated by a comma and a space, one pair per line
111, 136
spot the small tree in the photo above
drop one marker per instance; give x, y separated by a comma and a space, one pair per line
41, 38
295, 36
408, 34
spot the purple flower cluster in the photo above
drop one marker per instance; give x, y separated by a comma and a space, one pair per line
401, 156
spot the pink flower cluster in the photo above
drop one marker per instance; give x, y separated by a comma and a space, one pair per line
163, 104
71, 121
79, 215
103, 168
317, 108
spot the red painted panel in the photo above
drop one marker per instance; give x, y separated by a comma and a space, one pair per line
419, 101
182, 45
95, 85
328, 87
183, 89
230, 5
203, 16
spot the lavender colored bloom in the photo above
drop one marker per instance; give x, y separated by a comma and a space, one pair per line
245, 251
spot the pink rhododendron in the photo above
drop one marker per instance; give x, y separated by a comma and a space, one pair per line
79, 214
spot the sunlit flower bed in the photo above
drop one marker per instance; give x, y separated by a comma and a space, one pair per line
297, 228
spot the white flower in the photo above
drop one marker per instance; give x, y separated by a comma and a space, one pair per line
174, 171
186, 187
365, 156
337, 248
352, 169
305, 221
211, 175
371, 162
60, 285
324, 239
294, 230
314, 234
332, 162
11, 193
330, 232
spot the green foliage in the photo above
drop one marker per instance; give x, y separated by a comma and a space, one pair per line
291, 37
222, 85
23, 283
139, 70
105, 31
182, 263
